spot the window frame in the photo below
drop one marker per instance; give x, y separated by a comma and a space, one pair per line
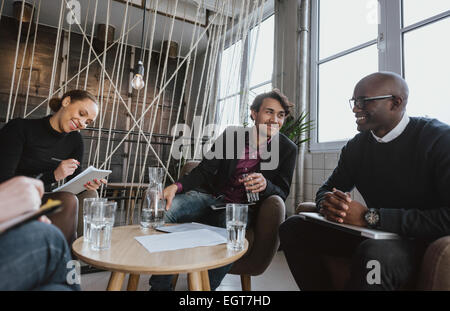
390, 56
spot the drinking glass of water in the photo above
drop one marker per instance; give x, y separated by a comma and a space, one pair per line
101, 224
236, 224
251, 196
87, 216
154, 208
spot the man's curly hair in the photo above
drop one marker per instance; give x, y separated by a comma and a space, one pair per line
275, 94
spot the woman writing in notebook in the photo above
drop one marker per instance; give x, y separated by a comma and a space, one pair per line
51, 148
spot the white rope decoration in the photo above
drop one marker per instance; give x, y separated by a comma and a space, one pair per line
102, 81
1, 9
213, 113
15, 61
215, 44
24, 53
144, 102
138, 144
188, 57
120, 97
213, 56
82, 43
32, 58
121, 68
90, 44
154, 100
67, 57
235, 69
176, 79
55, 56
211, 75
81, 71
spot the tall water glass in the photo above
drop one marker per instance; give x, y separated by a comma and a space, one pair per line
154, 208
87, 215
236, 216
251, 196
101, 224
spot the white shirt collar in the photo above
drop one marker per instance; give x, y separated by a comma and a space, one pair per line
395, 132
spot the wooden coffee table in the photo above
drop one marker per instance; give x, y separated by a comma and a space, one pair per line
127, 255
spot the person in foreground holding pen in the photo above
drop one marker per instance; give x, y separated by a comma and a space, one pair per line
401, 167
34, 255
29, 145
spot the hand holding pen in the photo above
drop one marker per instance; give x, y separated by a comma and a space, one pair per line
65, 168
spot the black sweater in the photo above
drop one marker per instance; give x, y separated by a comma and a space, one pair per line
28, 146
408, 178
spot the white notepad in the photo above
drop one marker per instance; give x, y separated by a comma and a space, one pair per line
365, 232
76, 184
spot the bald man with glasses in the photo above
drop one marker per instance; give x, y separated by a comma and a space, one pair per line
401, 167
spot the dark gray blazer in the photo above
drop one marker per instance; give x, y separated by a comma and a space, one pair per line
212, 173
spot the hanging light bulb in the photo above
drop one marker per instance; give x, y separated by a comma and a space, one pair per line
138, 80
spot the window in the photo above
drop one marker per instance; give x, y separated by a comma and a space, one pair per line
229, 88
261, 61
341, 60
257, 63
426, 62
353, 38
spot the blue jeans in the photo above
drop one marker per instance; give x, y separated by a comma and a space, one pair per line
34, 256
194, 206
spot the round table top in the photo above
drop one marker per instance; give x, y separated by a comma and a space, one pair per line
127, 255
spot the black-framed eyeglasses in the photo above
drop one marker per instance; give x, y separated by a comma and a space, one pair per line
360, 102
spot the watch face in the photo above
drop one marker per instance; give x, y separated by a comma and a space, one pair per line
372, 217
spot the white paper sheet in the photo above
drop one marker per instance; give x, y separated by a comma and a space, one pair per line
192, 226
179, 240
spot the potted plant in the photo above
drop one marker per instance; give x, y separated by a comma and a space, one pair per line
294, 127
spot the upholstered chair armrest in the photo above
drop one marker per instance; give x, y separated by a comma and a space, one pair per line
306, 207
435, 271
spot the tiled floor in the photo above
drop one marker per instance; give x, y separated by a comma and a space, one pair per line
277, 277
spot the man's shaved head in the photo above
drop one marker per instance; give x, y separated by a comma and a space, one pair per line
385, 82
380, 115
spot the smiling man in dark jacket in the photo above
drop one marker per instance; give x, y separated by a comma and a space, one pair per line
261, 151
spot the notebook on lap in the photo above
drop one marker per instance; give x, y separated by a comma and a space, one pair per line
364, 232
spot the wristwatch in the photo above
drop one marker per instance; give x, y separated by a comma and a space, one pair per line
372, 217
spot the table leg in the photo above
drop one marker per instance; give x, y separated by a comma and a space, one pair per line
133, 282
115, 281
195, 281
131, 203
205, 280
